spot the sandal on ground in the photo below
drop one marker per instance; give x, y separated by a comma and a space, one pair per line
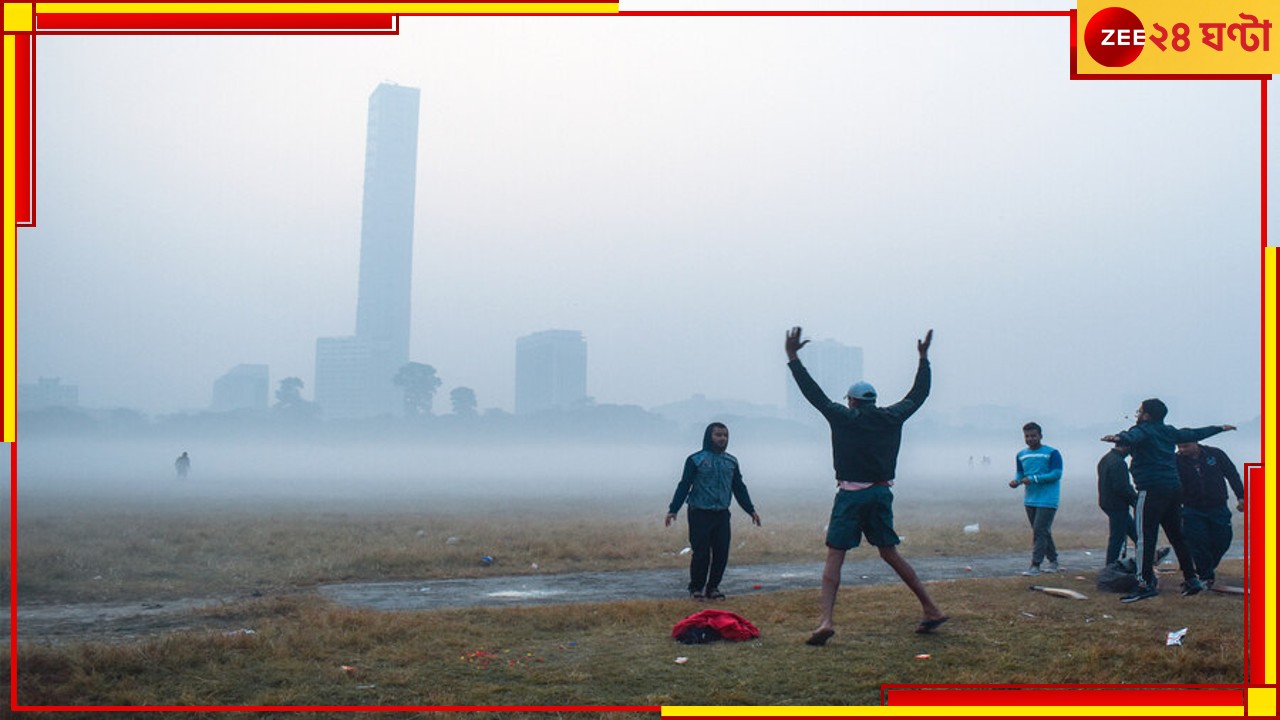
820, 637
928, 626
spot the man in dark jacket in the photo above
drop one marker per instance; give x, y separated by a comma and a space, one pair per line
864, 444
1155, 474
1206, 520
711, 478
1116, 497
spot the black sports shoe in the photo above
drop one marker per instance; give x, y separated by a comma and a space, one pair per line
1191, 587
1142, 592
1162, 553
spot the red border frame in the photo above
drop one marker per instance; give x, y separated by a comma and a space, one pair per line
959, 695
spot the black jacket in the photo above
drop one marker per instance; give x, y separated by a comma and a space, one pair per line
1115, 492
865, 439
1204, 479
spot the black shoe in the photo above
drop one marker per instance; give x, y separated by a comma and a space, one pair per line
1192, 587
1142, 592
714, 594
1162, 553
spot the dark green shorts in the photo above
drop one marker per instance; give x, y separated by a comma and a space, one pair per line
866, 512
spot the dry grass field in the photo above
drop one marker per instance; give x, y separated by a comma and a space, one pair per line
304, 651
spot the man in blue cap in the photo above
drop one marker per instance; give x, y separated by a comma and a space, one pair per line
864, 444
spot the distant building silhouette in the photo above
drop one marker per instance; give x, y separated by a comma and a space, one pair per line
551, 370
243, 387
47, 393
353, 374
835, 366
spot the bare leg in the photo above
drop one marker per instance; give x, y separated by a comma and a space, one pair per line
827, 599
890, 554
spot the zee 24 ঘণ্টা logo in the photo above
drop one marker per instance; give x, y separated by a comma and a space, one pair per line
1115, 36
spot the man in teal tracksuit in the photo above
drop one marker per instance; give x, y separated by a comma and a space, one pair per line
864, 447
1039, 468
711, 478
1155, 474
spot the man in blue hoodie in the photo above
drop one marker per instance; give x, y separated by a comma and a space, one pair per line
1155, 475
711, 478
864, 447
1038, 469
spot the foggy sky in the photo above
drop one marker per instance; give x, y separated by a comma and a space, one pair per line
681, 190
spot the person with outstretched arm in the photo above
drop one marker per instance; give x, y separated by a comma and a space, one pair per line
1154, 467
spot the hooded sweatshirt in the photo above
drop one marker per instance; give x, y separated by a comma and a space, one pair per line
710, 480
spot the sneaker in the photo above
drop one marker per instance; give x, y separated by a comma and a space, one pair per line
714, 594
1163, 553
1053, 567
1208, 584
1142, 592
1191, 587
697, 595
1033, 570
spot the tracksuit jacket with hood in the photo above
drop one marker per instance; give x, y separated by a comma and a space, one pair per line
711, 480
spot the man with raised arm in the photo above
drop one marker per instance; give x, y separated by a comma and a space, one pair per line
864, 443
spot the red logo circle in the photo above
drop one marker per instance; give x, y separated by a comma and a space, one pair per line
1114, 37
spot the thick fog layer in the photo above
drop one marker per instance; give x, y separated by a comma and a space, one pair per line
640, 476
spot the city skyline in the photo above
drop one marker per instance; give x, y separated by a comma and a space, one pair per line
792, 177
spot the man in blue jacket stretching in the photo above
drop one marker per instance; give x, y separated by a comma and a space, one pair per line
864, 446
1155, 474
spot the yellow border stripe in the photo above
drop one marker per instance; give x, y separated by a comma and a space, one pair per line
17, 17
1269, 301
340, 8
958, 711
10, 240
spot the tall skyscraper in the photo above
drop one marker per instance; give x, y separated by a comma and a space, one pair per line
353, 374
551, 370
835, 366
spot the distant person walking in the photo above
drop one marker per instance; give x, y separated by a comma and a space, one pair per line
1155, 475
711, 479
182, 465
1117, 498
1039, 470
864, 446
1206, 520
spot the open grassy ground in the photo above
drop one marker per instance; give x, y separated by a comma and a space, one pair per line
306, 652
166, 546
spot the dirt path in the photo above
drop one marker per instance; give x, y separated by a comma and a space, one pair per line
131, 620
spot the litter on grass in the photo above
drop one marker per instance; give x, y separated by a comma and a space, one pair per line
972, 529
681, 660
1176, 637
923, 656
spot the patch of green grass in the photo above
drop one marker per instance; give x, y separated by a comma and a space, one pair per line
307, 652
